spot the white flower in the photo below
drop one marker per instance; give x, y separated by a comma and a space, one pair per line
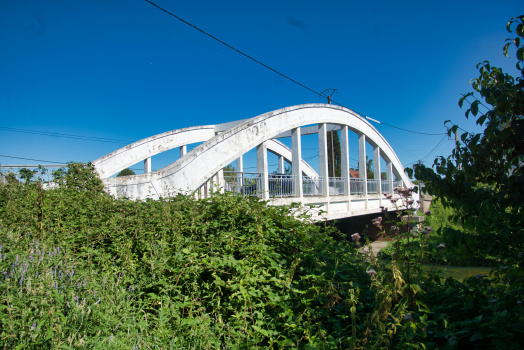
441, 246
371, 272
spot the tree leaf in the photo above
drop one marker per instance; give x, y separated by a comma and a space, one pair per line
477, 335
520, 30
475, 107
520, 54
508, 26
482, 119
505, 51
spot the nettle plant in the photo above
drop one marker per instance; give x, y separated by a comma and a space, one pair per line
398, 282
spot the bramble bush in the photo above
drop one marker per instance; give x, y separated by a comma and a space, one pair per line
85, 270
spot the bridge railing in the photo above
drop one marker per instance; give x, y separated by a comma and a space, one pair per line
337, 186
356, 186
312, 186
398, 183
385, 186
281, 185
246, 184
372, 186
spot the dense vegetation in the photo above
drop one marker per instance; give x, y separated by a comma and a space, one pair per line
82, 269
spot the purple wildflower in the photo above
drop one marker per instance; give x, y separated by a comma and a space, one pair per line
97, 301
68, 305
441, 246
479, 276
493, 301
408, 317
116, 326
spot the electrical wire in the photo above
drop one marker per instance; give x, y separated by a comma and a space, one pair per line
36, 160
433, 150
67, 136
274, 70
231, 47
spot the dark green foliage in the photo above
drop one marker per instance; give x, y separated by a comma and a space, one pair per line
251, 272
483, 180
82, 269
126, 172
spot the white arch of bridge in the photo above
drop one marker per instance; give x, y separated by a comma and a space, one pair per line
202, 163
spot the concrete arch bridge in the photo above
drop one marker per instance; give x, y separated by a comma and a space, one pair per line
201, 170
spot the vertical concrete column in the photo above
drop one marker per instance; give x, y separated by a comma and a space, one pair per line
240, 164
376, 171
262, 169
147, 165
296, 160
183, 150
323, 158
344, 149
220, 180
362, 166
281, 169
389, 174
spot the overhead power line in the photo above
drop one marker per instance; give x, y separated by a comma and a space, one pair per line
433, 150
231, 47
36, 160
274, 70
68, 136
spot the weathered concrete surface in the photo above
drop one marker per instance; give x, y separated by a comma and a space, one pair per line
202, 163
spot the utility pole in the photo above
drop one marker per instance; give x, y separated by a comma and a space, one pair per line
331, 132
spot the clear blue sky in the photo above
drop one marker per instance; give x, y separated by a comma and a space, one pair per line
125, 70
